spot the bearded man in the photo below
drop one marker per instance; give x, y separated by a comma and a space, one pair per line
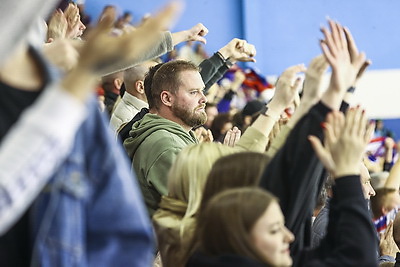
178, 102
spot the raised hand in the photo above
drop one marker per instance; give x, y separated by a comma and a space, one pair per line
387, 246
57, 28
342, 54
238, 50
203, 135
196, 33
232, 136
345, 142
101, 49
312, 88
73, 20
286, 90
63, 53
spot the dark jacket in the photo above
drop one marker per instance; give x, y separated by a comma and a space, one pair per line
202, 260
294, 175
351, 237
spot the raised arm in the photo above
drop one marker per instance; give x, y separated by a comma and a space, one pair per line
294, 174
393, 181
196, 33
215, 67
351, 238
345, 64
255, 138
51, 123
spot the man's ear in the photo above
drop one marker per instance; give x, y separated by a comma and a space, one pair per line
139, 85
118, 83
167, 98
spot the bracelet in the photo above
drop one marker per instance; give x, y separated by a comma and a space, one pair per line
221, 56
227, 62
351, 89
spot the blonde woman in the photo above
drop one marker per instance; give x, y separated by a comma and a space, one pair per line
174, 221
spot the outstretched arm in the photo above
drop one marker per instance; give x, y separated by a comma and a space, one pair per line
286, 90
214, 68
294, 174
196, 33
393, 181
345, 65
351, 238
27, 163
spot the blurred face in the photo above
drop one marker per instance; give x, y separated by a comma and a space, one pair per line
366, 182
190, 101
392, 201
78, 30
271, 238
211, 113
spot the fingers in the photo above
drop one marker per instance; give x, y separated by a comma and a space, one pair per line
210, 136
237, 134
329, 41
227, 137
318, 64
330, 135
327, 52
250, 50
321, 152
369, 132
365, 65
232, 136
349, 124
335, 121
72, 15
335, 30
198, 32
290, 72
297, 84
350, 43
363, 120
359, 61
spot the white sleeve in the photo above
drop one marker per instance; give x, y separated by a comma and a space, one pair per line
34, 148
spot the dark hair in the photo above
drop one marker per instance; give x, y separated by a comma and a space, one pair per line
148, 80
379, 200
232, 171
218, 124
225, 224
167, 78
237, 170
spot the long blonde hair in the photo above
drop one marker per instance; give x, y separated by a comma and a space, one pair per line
188, 176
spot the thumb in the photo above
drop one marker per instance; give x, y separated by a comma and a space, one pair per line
200, 39
246, 59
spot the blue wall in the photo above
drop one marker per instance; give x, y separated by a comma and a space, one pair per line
223, 18
285, 32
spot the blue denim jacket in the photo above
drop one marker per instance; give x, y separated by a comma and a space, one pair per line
92, 213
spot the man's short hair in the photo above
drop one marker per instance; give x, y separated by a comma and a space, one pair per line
148, 81
380, 199
167, 78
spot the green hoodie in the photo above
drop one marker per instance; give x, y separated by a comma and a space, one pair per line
153, 145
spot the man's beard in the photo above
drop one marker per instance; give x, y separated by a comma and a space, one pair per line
190, 117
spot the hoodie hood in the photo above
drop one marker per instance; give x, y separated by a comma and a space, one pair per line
150, 124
